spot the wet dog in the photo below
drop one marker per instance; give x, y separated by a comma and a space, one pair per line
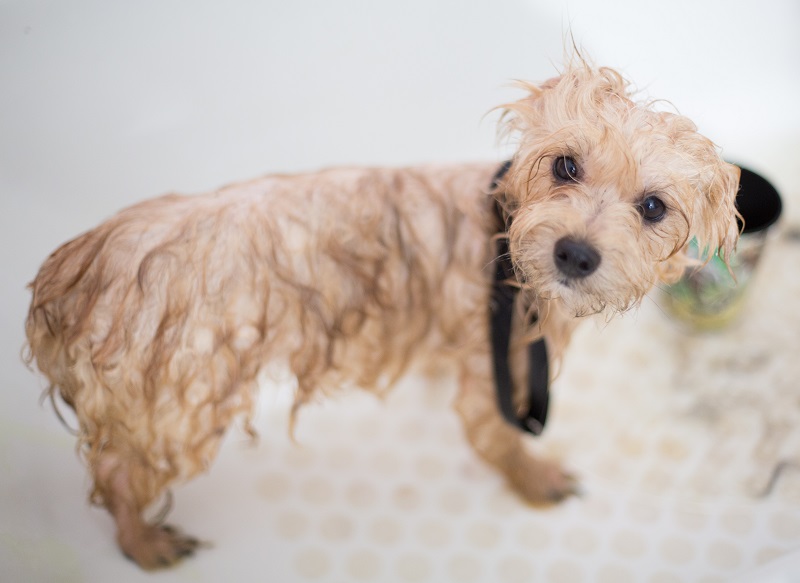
154, 325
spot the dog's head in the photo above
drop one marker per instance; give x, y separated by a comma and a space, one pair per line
605, 192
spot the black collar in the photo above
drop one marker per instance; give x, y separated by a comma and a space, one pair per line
501, 315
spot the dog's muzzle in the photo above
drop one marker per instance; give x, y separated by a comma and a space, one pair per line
575, 259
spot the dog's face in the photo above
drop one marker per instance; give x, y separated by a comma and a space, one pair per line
605, 193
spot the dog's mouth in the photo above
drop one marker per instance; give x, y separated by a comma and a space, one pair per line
584, 297
582, 289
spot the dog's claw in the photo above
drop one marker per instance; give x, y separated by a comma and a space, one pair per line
570, 487
159, 547
543, 482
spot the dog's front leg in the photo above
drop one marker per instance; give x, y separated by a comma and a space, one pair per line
539, 481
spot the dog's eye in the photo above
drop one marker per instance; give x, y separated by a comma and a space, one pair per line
565, 168
653, 209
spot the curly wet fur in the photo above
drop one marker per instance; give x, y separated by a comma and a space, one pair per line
165, 314
154, 325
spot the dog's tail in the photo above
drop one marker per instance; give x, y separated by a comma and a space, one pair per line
60, 304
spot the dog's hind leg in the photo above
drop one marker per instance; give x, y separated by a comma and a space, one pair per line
539, 481
151, 546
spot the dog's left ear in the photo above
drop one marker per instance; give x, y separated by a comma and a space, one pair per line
719, 221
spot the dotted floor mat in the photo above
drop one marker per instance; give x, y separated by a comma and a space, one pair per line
675, 438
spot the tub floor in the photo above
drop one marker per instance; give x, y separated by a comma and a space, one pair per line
674, 436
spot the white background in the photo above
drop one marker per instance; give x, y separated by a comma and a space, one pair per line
105, 103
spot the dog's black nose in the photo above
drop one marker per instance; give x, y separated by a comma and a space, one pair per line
575, 259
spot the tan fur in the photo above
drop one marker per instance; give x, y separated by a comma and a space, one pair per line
154, 325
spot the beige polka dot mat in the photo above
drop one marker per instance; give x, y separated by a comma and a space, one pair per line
687, 447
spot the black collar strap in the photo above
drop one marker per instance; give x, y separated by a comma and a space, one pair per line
501, 314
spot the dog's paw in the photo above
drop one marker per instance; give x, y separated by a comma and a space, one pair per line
158, 547
542, 482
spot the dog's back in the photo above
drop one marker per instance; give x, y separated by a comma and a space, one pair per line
153, 326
